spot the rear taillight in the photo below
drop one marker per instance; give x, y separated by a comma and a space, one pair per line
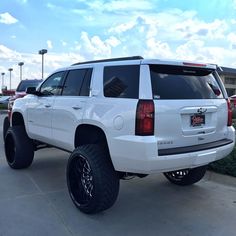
145, 118
229, 123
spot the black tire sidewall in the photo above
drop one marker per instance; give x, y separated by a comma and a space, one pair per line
17, 138
194, 175
6, 125
105, 179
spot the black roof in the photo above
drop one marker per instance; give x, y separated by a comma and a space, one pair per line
111, 59
226, 71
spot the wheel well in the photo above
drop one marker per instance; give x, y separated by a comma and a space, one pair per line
17, 119
89, 134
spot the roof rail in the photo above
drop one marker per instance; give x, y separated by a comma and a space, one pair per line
111, 59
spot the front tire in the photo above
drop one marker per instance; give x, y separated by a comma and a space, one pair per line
186, 176
92, 182
6, 125
19, 149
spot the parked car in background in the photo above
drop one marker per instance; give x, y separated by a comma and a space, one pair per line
233, 101
19, 93
4, 102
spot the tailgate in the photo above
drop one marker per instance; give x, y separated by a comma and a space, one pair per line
190, 107
181, 124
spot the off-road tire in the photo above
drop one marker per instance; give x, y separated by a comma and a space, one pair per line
6, 125
186, 176
19, 149
92, 182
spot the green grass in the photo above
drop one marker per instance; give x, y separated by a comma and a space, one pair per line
2, 107
226, 165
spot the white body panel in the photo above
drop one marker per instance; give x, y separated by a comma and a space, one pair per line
54, 120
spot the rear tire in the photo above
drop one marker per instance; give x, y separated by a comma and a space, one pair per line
92, 182
6, 125
186, 176
19, 148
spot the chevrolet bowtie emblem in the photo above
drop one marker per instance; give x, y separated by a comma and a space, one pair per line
201, 110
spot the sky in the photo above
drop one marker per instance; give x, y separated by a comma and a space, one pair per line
79, 30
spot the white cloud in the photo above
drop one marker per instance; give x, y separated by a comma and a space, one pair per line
120, 5
94, 47
49, 44
157, 49
23, 1
32, 63
7, 53
127, 5
8, 19
232, 40
122, 27
196, 50
113, 41
172, 34
177, 34
64, 43
51, 6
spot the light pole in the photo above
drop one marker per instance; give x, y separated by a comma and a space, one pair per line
42, 52
10, 70
20, 64
2, 78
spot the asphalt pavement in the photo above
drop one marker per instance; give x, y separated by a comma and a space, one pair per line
35, 201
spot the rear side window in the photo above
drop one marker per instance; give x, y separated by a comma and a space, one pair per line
178, 82
121, 81
77, 83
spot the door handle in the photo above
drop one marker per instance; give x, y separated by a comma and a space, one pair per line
77, 107
47, 105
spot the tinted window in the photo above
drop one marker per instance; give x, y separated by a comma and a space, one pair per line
74, 82
85, 89
121, 81
52, 86
24, 84
177, 82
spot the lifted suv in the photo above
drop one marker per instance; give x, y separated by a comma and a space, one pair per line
124, 117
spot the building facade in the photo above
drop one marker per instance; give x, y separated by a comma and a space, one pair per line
228, 76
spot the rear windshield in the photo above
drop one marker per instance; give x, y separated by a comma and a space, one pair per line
25, 84
178, 82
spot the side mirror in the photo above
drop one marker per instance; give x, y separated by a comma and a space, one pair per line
31, 90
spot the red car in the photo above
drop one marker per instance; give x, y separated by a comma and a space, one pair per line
19, 93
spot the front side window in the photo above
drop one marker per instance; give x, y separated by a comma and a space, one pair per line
121, 81
52, 86
178, 82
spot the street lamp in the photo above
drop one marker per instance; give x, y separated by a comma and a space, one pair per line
2, 78
10, 70
20, 64
42, 52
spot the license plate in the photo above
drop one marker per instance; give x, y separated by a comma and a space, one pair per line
197, 120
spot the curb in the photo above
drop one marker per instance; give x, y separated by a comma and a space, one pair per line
220, 178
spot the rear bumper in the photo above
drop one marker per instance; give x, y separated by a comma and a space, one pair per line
140, 155
195, 148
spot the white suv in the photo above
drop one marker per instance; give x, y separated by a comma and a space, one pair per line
124, 117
